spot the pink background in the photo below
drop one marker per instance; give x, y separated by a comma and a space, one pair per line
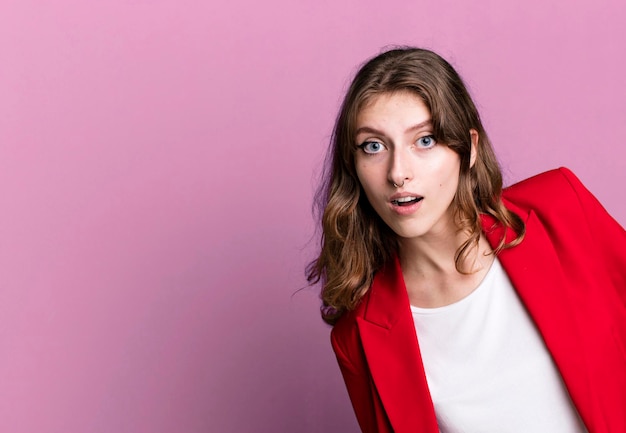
157, 163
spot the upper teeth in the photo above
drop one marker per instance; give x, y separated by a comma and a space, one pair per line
405, 199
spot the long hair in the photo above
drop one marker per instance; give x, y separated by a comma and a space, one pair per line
355, 242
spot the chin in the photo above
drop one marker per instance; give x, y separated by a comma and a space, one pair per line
408, 233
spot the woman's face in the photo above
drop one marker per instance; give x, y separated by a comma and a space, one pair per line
396, 146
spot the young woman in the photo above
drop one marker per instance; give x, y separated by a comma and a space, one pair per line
458, 306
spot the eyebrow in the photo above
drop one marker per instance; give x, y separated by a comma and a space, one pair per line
367, 129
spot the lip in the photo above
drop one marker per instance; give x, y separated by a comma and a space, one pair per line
398, 195
405, 210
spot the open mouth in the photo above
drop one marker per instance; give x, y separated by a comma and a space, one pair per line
406, 201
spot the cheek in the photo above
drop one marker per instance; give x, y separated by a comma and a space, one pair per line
369, 185
366, 176
447, 176
362, 179
450, 167
369, 194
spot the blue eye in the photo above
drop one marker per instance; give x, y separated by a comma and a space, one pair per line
371, 147
426, 141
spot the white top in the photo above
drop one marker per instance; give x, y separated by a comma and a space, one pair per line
487, 367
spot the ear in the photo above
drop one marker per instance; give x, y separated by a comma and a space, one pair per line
474, 150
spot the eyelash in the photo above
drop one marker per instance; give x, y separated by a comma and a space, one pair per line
430, 137
363, 145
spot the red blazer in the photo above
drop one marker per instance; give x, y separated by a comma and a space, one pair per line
570, 273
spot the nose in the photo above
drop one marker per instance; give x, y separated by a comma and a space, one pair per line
399, 168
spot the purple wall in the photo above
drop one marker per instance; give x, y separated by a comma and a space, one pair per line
157, 162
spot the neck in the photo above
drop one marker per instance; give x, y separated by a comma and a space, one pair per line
430, 270
434, 253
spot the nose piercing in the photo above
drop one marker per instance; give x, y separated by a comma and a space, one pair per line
398, 186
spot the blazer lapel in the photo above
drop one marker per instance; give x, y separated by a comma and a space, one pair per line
534, 269
390, 344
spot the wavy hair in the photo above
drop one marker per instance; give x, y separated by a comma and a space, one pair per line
355, 242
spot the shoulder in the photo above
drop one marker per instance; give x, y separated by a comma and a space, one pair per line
346, 343
345, 333
556, 192
544, 187
564, 206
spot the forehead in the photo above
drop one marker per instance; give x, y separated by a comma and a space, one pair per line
392, 109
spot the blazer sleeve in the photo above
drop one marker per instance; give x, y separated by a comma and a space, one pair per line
608, 234
366, 404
